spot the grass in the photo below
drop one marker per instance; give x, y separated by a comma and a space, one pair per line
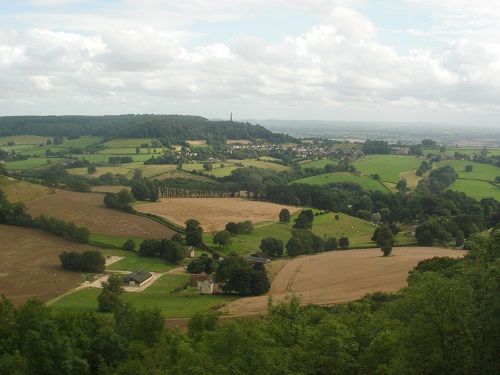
477, 189
115, 241
127, 142
31, 163
24, 139
388, 167
168, 283
171, 305
357, 230
260, 164
318, 163
133, 262
21, 191
230, 165
82, 142
470, 151
479, 171
366, 182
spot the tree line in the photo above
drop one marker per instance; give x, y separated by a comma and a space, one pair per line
15, 214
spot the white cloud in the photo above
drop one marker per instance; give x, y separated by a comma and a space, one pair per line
133, 58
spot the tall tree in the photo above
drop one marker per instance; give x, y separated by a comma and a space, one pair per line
284, 216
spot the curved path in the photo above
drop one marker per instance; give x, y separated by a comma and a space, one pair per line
339, 276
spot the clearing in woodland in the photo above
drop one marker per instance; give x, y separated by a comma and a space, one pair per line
339, 276
214, 213
88, 210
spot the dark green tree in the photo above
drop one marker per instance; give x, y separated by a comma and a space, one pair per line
272, 246
223, 238
129, 245
385, 240
344, 243
284, 216
194, 232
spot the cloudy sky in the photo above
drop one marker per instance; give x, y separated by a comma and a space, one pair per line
380, 60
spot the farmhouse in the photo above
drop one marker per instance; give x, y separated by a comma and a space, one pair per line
189, 252
137, 278
204, 283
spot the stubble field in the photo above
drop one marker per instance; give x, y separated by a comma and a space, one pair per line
88, 210
30, 264
214, 213
339, 276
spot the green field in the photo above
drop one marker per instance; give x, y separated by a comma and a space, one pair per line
366, 182
31, 163
230, 165
318, 163
480, 171
260, 164
388, 167
172, 305
477, 189
470, 151
127, 142
24, 140
135, 262
130, 151
128, 169
114, 240
82, 142
357, 230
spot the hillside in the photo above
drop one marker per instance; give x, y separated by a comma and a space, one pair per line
167, 128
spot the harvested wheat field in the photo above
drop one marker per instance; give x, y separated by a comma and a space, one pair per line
340, 276
88, 210
30, 264
214, 213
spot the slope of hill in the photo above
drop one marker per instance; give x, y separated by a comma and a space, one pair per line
174, 128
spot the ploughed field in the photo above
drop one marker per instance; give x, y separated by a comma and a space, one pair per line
29, 264
340, 276
214, 213
88, 210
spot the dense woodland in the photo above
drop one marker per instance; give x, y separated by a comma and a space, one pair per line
447, 321
169, 129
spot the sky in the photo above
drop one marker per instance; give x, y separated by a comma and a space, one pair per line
352, 60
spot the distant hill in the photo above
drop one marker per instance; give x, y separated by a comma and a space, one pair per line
172, 128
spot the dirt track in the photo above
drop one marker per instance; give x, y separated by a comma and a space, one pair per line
339, 276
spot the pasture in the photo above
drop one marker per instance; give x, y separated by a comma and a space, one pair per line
471, 151
318, 163
30, 264
366, 182
33, 140
388, 167
480, 171
214, 213
87, 209
172, 305
477, 189
31, 163
339, 276
127, 142
357, 230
